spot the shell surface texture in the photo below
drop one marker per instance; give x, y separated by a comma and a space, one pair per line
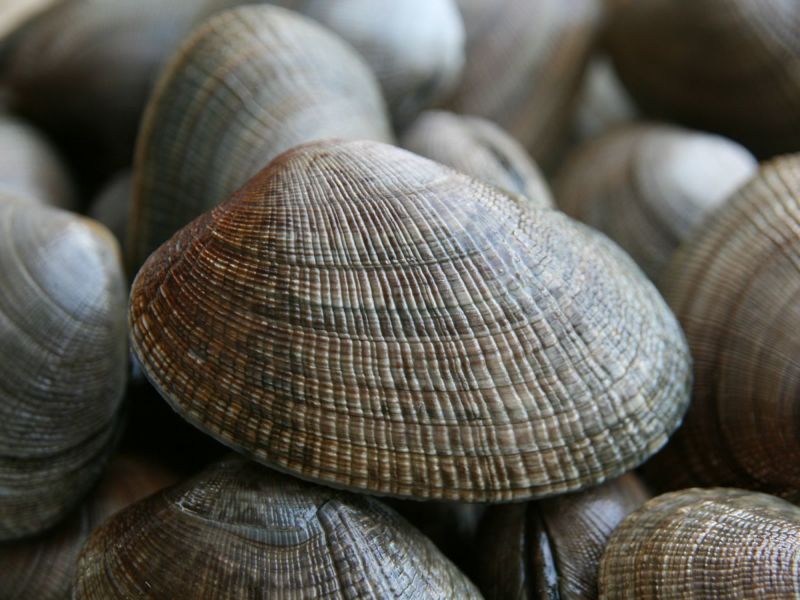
735, 288
705, 543
43, 567
368, 318
728, 67
551, 548
250, 83
479, 148
242, 531
63, 360
648, 186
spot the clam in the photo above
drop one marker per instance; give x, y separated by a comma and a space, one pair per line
82, 71
648, 186
29, 166
735, 287
247, 85
551, 548
43, 567
705, 543
726, 67
603, 102
368, 318
524, 63
242, 531
62, 361
414, 47
480, 148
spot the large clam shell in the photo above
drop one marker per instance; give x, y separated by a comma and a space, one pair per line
368, 318
728, 67
247, 85
647, 186
705, 543
480, 148
63, 358
735, 288
238, 530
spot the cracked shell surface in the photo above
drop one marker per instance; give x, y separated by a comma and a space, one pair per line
366, 317
705, 543
242, 531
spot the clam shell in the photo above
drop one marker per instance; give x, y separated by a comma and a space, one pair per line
479, 148
43, 567
552, 547
365, 317
414, 47
705, 543
727, 67
603, 102
82, 71
242, 531
524, 63
735, 287
647, 186
63, 358
247, 85
30, 167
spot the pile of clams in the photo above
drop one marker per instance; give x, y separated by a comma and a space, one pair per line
420, 299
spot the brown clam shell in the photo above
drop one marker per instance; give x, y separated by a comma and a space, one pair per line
728, 67
43, 567
63, 358
238, 530
647, 186
368, 318
551, 548
524, 63
735, 288
247, 85
705, 543
479, 148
